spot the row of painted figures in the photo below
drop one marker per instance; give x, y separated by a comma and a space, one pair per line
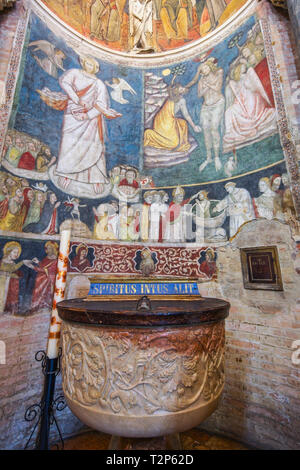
106, 20
27, 284
27, 209
157, 221
35, 210
22, 152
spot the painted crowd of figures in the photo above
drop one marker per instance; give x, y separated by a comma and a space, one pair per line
22, 153
25, 208
35, 209
157, 220
145, 25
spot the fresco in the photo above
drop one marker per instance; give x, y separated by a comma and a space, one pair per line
28, 268
144, 26
176, 154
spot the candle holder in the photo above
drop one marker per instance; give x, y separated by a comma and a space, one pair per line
44, 412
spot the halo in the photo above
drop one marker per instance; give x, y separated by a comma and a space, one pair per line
9, 246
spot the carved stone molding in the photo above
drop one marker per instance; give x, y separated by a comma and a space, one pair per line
142, 373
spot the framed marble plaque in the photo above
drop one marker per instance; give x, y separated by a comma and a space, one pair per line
261, 268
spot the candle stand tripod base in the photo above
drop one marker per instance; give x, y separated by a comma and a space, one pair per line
43, 414
143, 374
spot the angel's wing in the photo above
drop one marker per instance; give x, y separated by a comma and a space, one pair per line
111, 85
229, 95
123, 85
257, 85
44, 46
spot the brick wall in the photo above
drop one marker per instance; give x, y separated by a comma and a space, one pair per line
8, 24
261, 399
21, 380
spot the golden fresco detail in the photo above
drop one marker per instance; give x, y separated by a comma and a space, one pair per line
144, 26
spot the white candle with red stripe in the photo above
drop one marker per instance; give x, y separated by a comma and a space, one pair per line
59, 294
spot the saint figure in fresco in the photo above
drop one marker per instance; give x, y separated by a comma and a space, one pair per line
4, 199
155, 217
141, 25
14, 218
44, 282
175, 230
35, 209
215, 10
145, 215
208, 266
170, 132
81, 261
177, 18
82, 152
264, 204
48, 221
10, 275
212, 109
105, 20
238, 205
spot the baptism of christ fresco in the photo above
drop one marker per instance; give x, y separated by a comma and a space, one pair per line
144, 26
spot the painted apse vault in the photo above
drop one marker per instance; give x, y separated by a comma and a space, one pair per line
160, 163
144, 26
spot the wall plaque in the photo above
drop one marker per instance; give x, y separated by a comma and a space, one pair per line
116, 289
261, 268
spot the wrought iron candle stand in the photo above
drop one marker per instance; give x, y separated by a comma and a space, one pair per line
44, 412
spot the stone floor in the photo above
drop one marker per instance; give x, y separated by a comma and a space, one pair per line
191, 440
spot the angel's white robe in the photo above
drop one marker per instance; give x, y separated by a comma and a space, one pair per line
251, 116
82, 151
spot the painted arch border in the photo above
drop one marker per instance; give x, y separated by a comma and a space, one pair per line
84, 45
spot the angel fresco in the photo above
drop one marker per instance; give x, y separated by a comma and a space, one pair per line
250, 116
250, 112
119, 85
52, 58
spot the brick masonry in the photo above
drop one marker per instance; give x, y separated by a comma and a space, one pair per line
261, 400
